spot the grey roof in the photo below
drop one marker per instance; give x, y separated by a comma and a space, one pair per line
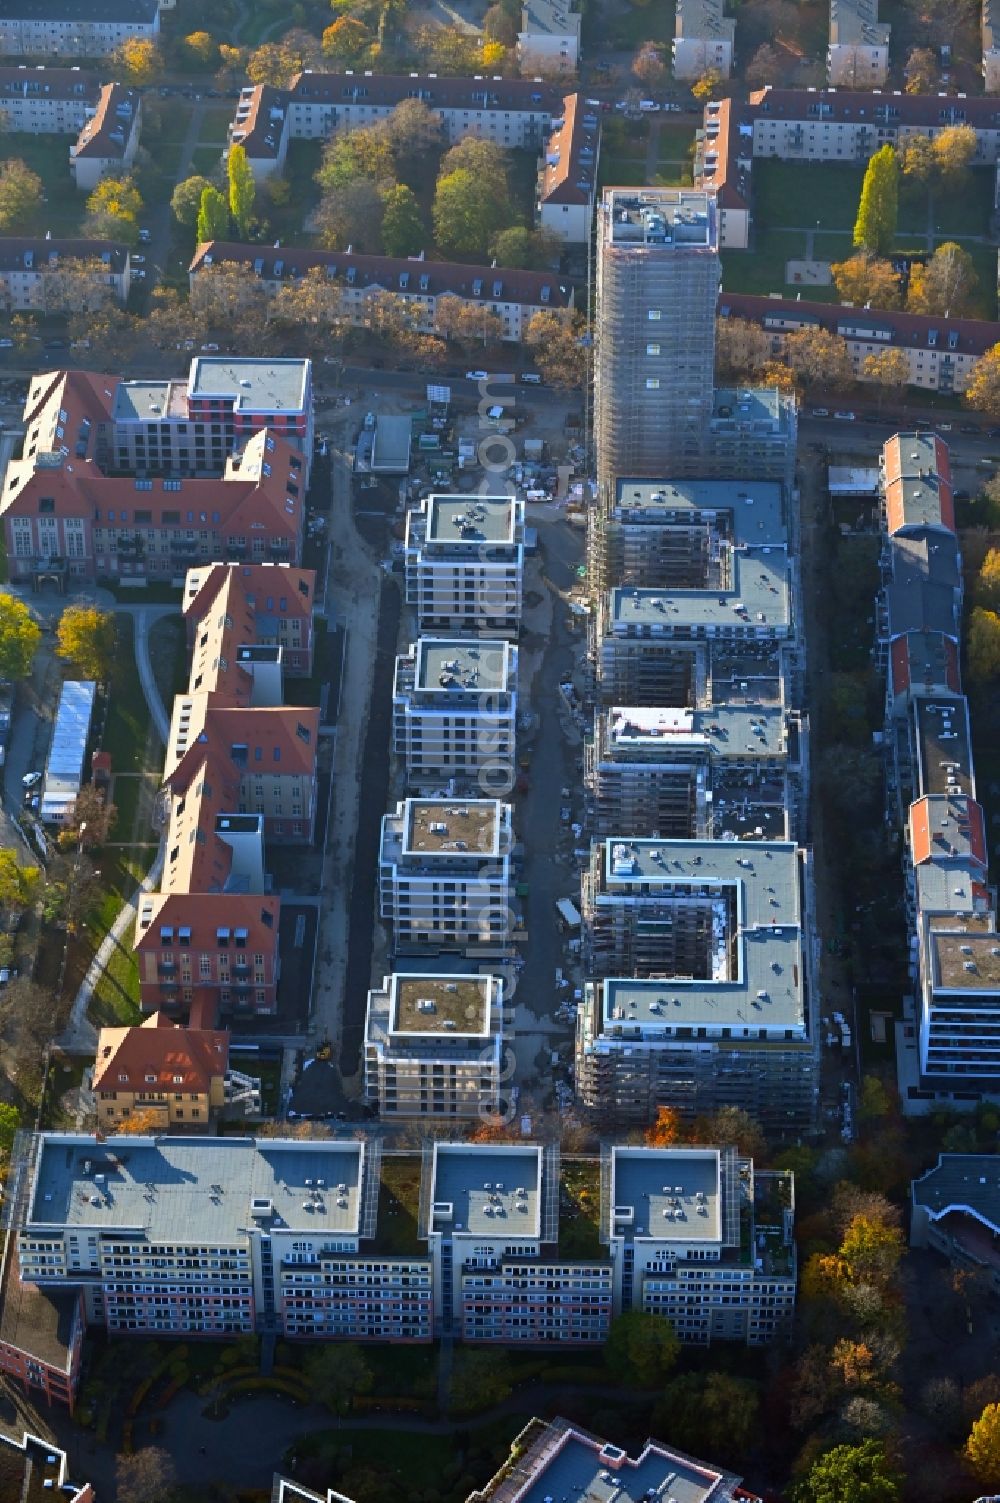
675, 1195
968, 1182
925, 588
951, 889
193, 1189
754, 963
470, 520
149, 401
267, 385
70, 84
944, 745
855, 23
703, 19
445, 666
764, 409
462, 1171
725, 730
391, 443
80, 12
585, 1469
36, 253
757, 596
550, 18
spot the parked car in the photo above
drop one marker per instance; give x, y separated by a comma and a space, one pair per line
844, 417
648, 106
819, 412
140, 275
210, 349
6, 344
31, 778
531, 378
145, 236
138, 260
477, 375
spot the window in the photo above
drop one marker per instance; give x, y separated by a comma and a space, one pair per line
652, 383
652, 349
653, 314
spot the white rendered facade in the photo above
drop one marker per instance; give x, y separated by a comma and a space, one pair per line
454, 712
433, 1045
464, 563
444, 872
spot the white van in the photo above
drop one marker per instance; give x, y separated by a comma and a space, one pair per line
648, 106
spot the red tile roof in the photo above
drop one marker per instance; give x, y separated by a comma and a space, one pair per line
244, 587
569, 175
725, 153
929, 843
204, 914
107, 133
160, 1048
860, 107
898, 471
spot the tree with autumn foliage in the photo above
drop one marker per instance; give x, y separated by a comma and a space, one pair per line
557, 340
666, 1130
987, 587
87, 639
982, 1449
819, 358
983, 389
864, 278
140, 1122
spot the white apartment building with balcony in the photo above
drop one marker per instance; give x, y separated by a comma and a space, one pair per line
444, 872
433, 1045
695, 1235
454, 712
492, 1233
464, 563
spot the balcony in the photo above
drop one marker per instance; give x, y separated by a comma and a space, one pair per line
184, 547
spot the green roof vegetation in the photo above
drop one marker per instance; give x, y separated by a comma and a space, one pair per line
580, 1209
398, 1206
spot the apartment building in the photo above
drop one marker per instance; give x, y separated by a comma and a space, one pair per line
858, 53
444, 873
69, 510
175, 1076
941, 352
558, 1459
240, 771
41, 1340
47, 101
464, 563
434, 1045
270, 605
109, 140
454, 713
492, 1237
723, 159
216, 1237
33, 273
851, 124
511, 112
955, 1209
702, 993
697, 1235
567, 175
549, 38
513, 297
706, 774
704, 39
658, 275
947, 1044
57, 29
991, 49
30, 1468
752, 434
705, 607
195, 425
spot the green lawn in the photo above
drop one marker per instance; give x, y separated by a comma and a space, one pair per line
398, 1205
628, 26
215, 124
806, 194
204, 160
762, 270
128, 714
63, 209
173, 121
675, 143
833, 247
580, 1209
621, 172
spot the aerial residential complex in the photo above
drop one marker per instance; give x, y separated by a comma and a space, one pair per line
433, 1045
703, 992
229, 1235
240, 771
42, 275
142, 478
52, 29
444, 872
464, 563
454, 712
947, 1044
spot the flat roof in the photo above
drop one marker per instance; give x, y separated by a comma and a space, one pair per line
757, 595
762, 409
756, 507
725, 730
173, 1189
674, 1195
391, 444
749, 893
445, 666
944, 745
452, 1005
548, 18
460, 1175
149, 401
925, 585
38, 1321
594, 1472
253, 385
664, 219
470, 520
964, 962
71, 730
443, 826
